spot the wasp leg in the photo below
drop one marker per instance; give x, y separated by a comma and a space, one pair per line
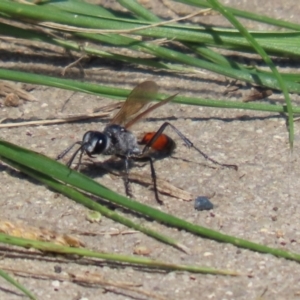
126, 178
186, 141
153, 174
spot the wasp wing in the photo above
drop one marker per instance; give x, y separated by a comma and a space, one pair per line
142, 94
147, 111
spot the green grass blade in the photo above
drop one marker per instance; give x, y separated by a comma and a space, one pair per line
141, 261
271, 41
80, 7
89, 203
117, 93
209, 54
221, 65
139, 10
216, 5
175, 56
202, 50
245, 14
16, 284
16, 32
60, 172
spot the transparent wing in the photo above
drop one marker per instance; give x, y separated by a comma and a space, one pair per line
142, 94
148, 110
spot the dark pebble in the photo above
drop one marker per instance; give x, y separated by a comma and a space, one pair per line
202, 203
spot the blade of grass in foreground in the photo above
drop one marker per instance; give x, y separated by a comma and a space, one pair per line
141, 261
16, 284
58, 171
229, 16
89, 203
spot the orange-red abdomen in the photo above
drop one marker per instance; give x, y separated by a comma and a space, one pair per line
163, 143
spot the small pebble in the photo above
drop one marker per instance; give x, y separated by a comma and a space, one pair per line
57, 269
202, 203
55, 284
12, 100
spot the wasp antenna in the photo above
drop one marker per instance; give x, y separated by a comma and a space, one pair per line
74, 155
62, 154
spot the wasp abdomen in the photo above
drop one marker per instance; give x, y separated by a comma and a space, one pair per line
163, 143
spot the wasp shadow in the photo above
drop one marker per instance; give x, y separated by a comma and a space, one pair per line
241, 118
90, 170
18, 174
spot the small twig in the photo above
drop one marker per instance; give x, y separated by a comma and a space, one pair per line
38, 233
7, 88
55, 121
85, 278
67, 101
257, 93
112, 233
73, 64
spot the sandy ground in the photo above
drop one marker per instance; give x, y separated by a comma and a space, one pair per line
259, 202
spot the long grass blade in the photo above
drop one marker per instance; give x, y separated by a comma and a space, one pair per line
60, 172
89, 203
141, 261
118, 93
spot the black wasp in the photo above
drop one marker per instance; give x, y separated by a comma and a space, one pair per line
117, 140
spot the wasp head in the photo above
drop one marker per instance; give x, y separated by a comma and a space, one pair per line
94, 142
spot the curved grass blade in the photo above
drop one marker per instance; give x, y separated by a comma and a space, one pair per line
16, 284
58, 171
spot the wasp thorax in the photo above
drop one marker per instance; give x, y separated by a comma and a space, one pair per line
120, 141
